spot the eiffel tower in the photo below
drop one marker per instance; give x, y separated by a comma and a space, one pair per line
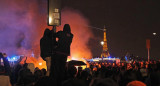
105, 52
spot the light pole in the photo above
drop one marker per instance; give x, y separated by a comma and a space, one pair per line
148, 47
102, 43
54, 17
54, 12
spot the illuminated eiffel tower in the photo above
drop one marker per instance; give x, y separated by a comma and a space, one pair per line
105, 52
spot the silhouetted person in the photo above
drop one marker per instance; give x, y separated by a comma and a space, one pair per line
5, 71
62, 52
46, 49
25, 77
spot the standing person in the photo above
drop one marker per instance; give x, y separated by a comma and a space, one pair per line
46, 51
62, 52
5, 71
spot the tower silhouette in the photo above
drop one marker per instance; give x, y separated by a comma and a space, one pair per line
105, 52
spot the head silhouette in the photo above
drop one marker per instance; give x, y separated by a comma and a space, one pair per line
46, 32
67, 28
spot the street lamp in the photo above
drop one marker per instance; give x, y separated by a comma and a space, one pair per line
148, 43
154, 34
102, 43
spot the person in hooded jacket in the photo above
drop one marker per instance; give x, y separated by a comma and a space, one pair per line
62, 52
46, 51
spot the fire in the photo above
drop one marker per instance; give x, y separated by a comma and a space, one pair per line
79, 59
40, 63
27, 23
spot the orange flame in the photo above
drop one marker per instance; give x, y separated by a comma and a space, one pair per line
39, 62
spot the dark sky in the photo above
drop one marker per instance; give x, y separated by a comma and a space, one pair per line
128, 22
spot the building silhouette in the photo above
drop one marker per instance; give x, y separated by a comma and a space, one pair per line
105, 52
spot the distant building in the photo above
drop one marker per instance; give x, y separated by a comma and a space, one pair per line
105, 52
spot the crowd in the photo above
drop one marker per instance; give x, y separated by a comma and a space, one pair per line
55, 54
127, 74
98, 74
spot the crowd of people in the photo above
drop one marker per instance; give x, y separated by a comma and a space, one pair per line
140, 73
98, 74
55, 54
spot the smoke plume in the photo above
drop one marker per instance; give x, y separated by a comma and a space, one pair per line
79, 27
22, 23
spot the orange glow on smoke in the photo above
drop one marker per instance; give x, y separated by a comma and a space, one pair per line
40, 63
79, 27
34, 19
82, 33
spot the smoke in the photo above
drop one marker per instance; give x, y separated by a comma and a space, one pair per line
22, 23
20, 26
82, 33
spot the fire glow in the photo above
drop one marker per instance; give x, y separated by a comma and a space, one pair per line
22, 25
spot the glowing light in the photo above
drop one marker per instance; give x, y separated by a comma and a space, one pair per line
40, 63
73, 58
1, 60
126, 58
83, 67
154, 33
102, 42
50, 20
68, 60
95, 60
94, 69
77, 67
14, 58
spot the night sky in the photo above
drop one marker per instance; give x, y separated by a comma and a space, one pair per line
129, 23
